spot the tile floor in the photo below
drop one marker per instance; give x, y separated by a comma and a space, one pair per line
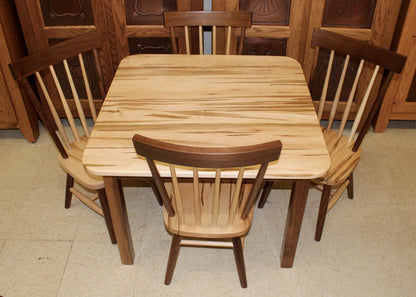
368, 246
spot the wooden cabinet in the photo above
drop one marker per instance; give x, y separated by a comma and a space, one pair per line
400, 103
15, 110
280, 27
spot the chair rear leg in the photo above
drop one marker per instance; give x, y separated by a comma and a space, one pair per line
323, 208
173, 257
68, 193
350, 187
239, 261
107, 216
268, 185
156, 192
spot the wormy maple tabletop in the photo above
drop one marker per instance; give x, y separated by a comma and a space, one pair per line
208, 101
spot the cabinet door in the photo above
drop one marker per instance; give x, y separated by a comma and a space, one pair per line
15, 110
278, 26
400, 101
7, 116
138, 25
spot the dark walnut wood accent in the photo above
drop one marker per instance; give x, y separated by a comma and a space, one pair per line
16, 112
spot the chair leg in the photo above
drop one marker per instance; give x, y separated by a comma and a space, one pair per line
350, 187
173, 257
156, 192
268, 185
239, 261
68, 194
323, 208
107, 216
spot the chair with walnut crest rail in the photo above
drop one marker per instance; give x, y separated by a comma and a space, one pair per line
214, 206
344, 144
64, 74
222, 23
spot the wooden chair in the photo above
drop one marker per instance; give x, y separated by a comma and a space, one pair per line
58, 93
216, 207
219, 21
344, 144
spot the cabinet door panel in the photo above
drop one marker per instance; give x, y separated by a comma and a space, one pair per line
67, 13
351, 14
147, 12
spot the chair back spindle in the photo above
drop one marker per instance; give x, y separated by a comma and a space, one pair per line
87, 86
63, 58
341, 108
219, 21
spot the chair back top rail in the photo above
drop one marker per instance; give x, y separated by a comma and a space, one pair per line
214, 19
208, 18
44, 64
223, 157
357, 48
36, 61
215, 158
352, 48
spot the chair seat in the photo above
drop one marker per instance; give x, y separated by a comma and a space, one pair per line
343, 159
225, 228
73, 166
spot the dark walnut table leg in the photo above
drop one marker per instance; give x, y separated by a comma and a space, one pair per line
117, 205
294, 222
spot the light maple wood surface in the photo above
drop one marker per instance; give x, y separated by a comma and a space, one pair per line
208, 101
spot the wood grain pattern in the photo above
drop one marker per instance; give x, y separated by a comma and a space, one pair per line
209, 101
